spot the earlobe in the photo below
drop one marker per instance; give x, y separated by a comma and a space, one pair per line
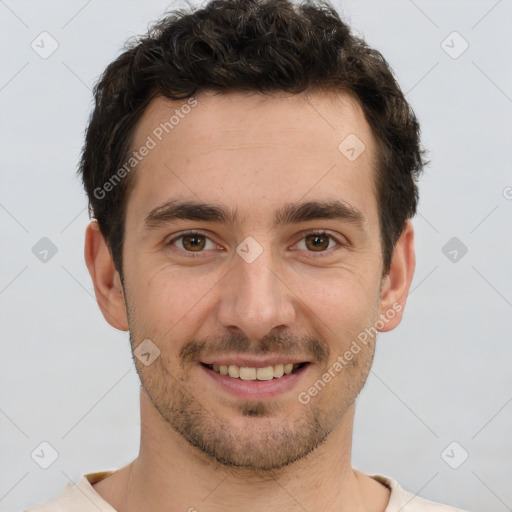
107, 284
396, 283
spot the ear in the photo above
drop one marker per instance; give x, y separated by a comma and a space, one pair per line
396, 284
107, 283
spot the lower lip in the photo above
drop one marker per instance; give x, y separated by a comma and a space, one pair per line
256, 389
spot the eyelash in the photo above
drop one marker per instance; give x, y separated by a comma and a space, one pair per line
193, 254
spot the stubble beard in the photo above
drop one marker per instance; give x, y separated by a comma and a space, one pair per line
263, 440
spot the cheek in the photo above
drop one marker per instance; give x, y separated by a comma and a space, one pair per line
339, 314
339, 301
166, 298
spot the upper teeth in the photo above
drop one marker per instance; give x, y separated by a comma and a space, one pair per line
247, 373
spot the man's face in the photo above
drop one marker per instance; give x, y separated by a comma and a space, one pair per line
260, 289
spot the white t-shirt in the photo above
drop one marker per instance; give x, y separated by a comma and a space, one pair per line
83, 498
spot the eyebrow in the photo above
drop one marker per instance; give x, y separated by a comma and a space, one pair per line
290, 213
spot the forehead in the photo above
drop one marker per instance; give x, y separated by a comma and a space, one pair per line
253, 114
247, 148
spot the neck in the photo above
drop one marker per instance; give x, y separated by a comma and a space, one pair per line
169, 471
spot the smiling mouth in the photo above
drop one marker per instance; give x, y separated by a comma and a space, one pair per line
276, 371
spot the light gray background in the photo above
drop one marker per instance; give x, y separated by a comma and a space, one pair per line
444, 375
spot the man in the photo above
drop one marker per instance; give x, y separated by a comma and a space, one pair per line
251, 170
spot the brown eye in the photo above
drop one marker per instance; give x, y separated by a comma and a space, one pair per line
320, 242
317, 242
193, 242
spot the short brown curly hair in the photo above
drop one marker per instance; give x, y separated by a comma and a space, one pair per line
250, 45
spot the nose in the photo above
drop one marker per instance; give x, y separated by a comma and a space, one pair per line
255, 297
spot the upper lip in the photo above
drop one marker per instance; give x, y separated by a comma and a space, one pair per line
254, 362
